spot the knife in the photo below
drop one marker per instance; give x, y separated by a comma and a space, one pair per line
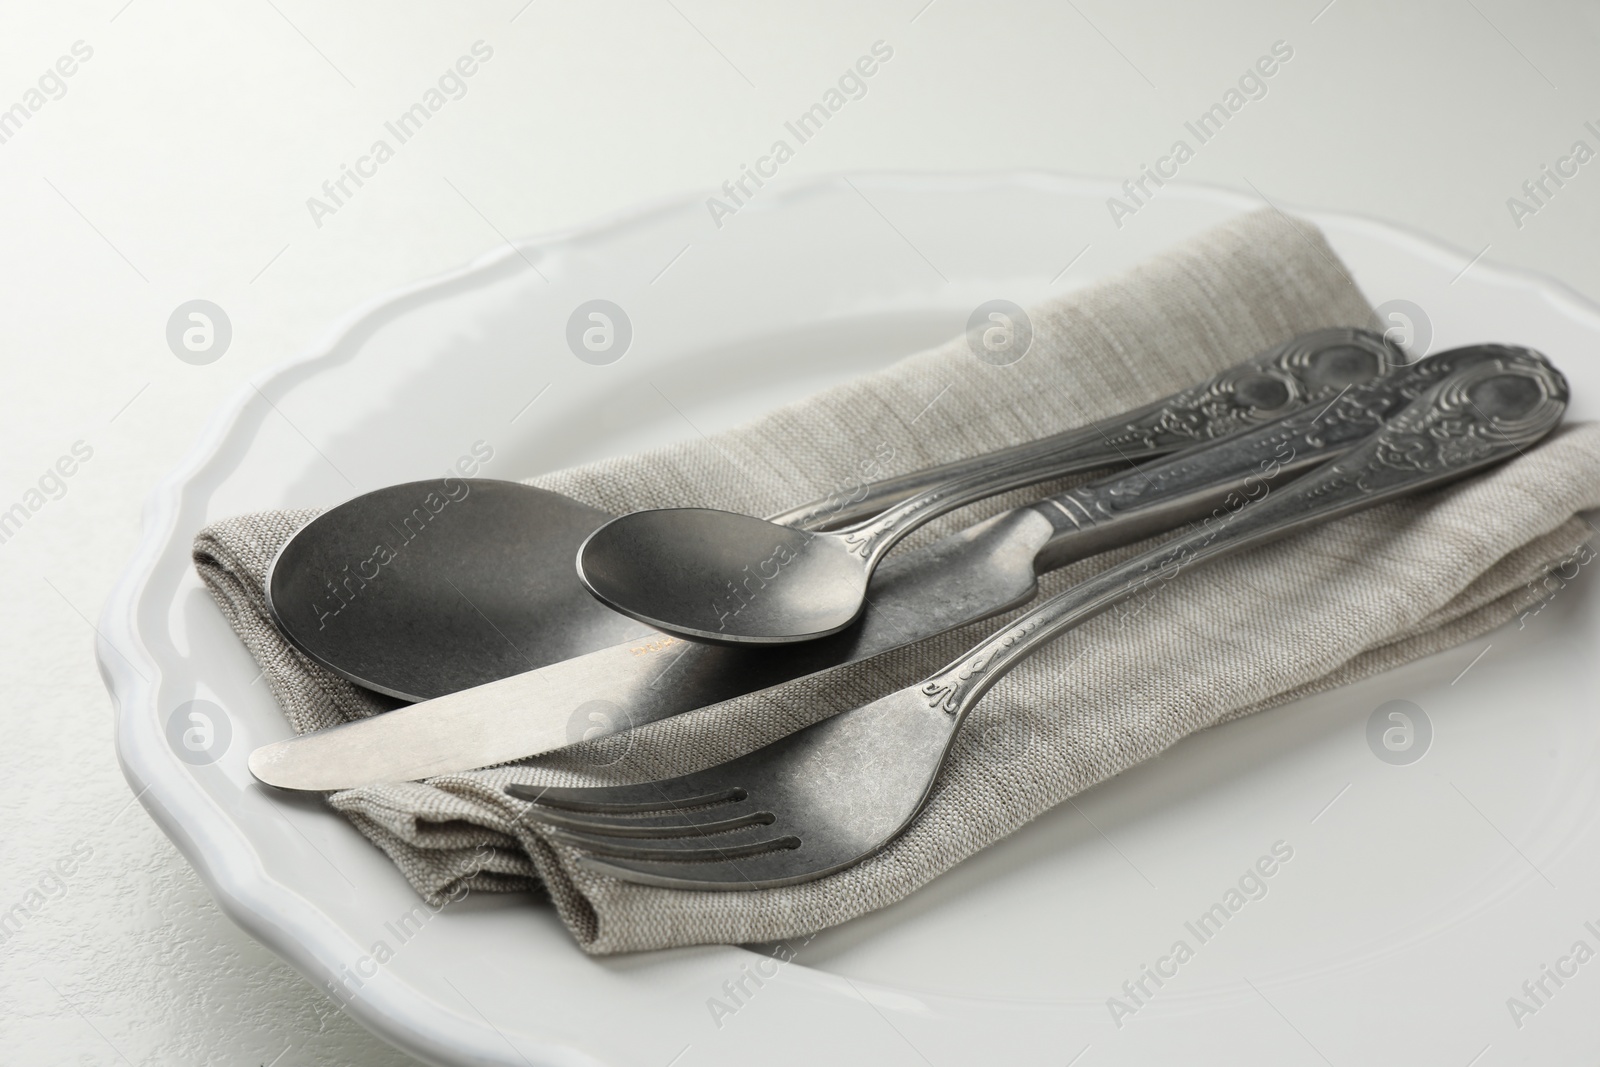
971, 575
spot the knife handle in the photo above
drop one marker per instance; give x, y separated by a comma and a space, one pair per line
1479, 415
1165, 493
1309, 369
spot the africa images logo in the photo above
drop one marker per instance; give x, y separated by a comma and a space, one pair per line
199, 732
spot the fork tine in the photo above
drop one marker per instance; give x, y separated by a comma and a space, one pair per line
696, 850
768, 870
705, 788
623, 798
691, 824
626, 799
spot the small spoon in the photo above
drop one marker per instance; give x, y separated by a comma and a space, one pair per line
722, 576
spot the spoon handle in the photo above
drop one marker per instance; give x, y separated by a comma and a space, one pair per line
1309, 369
1477, 416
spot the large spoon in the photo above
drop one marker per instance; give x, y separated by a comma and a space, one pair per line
984, 570
722, 576
432, 587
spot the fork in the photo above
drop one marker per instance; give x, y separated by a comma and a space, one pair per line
836, 792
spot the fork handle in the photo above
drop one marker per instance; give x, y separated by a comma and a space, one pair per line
1308, 369
1477, 416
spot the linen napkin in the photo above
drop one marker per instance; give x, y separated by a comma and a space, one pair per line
1323, 609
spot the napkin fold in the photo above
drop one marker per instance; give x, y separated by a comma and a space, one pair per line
1325, 608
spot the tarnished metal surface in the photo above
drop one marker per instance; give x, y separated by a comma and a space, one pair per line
969, 576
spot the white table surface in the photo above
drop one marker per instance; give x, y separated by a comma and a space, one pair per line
177, 163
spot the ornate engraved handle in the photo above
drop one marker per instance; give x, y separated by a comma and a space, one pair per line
1482, 413
1248, 461
1309, 370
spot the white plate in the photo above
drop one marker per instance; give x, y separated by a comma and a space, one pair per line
1414, 906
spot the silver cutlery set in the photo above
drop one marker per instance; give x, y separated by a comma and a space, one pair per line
476, 614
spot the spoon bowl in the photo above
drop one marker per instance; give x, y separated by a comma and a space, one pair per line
782, 584
426, 588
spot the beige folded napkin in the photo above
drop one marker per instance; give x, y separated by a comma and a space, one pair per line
1325, 608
